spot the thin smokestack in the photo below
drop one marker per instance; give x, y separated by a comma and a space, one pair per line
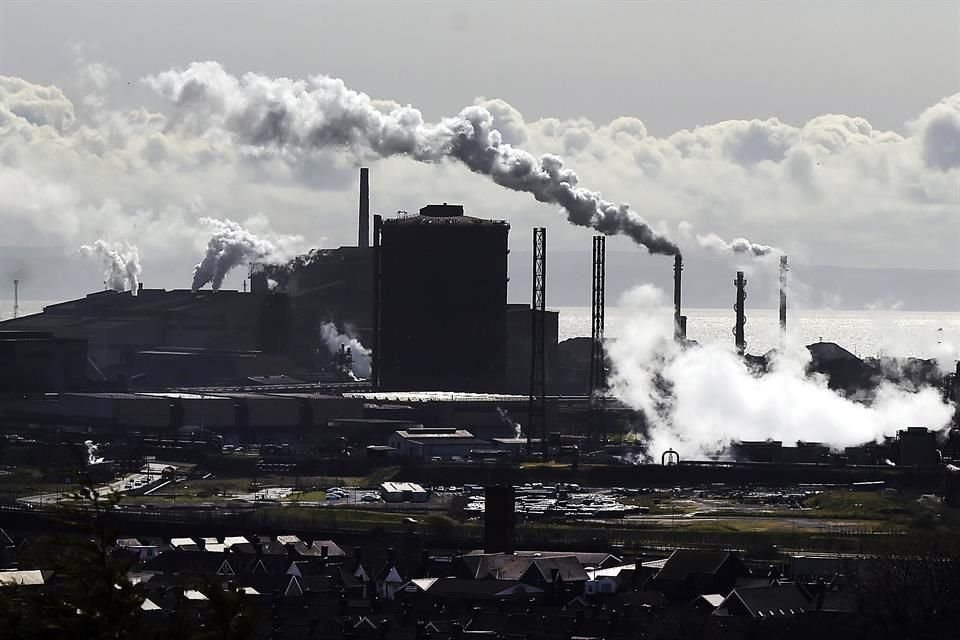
738, 329
783, 300
363, 227
375, 361
678, 332
16, 298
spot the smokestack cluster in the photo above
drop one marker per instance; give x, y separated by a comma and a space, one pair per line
121, 265
299, 116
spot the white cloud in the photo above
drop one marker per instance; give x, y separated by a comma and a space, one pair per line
834, 189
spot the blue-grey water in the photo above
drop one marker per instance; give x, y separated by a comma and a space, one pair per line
866, 333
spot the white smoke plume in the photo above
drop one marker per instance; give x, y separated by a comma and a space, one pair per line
297, 116
232, 245
739, 246
333, 339
700, 399
121, 264
92, 449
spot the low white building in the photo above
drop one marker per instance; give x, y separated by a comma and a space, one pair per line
403, 492
425, 443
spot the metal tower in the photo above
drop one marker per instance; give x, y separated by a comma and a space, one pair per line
597, 313
738, 330
537, 415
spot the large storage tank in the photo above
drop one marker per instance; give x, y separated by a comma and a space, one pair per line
443, 301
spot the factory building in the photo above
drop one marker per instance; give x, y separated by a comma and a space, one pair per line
40, 361
430, 443
324, 285
443, 301
163, 338
519, 347
917, 447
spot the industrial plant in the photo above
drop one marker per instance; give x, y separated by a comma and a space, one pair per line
389, 391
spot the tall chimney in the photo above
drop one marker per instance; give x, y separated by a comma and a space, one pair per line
738, 329
783, 301
16, 298
678, 330
363, 228
375, 357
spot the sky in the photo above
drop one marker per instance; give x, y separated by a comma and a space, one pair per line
830, 131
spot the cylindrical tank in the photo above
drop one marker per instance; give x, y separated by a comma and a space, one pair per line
443, 301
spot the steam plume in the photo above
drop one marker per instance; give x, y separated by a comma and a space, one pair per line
229, 246
361, 355
297, 115
700, 399
121, 264
743, 246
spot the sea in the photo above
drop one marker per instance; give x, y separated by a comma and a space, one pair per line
867, 333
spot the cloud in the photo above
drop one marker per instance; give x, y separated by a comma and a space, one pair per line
833, 189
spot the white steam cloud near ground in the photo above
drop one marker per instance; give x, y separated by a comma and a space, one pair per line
74, 166
698, 400
361, 355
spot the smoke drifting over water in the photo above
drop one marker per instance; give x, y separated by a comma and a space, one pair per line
232, 245
700, 399
297, 116
333, 339
121, 264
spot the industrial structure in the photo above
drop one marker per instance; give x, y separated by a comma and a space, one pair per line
537, 413
679, 320
442, 301
598, 360
739, 328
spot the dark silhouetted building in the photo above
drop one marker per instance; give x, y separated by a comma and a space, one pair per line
443, 301
499, 514
39, 361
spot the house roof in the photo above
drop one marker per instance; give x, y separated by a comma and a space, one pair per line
514, 567
467, 588
774, 601
595, 559
685, 562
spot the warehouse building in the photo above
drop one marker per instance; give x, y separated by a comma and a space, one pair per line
427, 443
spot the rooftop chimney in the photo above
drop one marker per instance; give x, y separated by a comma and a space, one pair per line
363, 228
